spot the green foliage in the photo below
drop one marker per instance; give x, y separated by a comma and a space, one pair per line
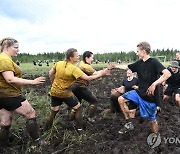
112, 56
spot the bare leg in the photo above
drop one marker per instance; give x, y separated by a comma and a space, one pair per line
124, 107
177, 98
31, 124
154, 126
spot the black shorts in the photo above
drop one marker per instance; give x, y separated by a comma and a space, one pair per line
70, 101
169, 91
84, 93
131, 105
11, 103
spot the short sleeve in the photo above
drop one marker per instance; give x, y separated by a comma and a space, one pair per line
158, 66
133, 67
77, 72
6, 65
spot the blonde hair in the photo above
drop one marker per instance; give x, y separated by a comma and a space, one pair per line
7, 42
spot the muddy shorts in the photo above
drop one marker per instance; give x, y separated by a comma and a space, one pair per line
147, 109
11, 103
169, 91
70, 101
84, 93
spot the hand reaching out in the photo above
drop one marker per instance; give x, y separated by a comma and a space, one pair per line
39, 80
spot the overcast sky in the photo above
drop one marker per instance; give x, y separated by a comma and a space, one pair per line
96, 25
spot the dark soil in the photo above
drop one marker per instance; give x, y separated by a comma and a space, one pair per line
102, 136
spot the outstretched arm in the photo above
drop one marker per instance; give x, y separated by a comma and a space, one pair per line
123, 67
109, 67
10, 78
95, 76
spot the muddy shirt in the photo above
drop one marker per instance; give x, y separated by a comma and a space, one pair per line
148, 72
66, 74
88, 70
9, 89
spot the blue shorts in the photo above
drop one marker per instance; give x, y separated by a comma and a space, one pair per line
147, 109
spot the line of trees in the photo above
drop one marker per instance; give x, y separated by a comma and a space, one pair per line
112, 57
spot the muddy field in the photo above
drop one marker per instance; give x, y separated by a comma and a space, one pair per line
102, 136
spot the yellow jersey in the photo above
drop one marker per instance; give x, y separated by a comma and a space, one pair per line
66, 74
88, 70
9, 89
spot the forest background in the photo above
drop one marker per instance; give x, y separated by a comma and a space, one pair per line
167, 55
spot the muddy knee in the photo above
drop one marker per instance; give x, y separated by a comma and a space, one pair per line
31, 113
6, 120
121, 100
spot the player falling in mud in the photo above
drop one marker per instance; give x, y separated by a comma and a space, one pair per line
145, 97
173, 83
129, 83
62, 76
80, 86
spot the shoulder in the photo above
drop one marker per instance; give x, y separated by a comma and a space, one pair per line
6, 60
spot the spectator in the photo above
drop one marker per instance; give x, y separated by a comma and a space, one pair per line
173, 83
178, 57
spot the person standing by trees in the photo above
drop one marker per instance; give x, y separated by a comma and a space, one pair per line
80, 86
11, 99
62, 76
178, 57
148, 70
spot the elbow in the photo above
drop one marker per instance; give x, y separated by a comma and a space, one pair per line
85, 77
9, 81
168, 75
88, 78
